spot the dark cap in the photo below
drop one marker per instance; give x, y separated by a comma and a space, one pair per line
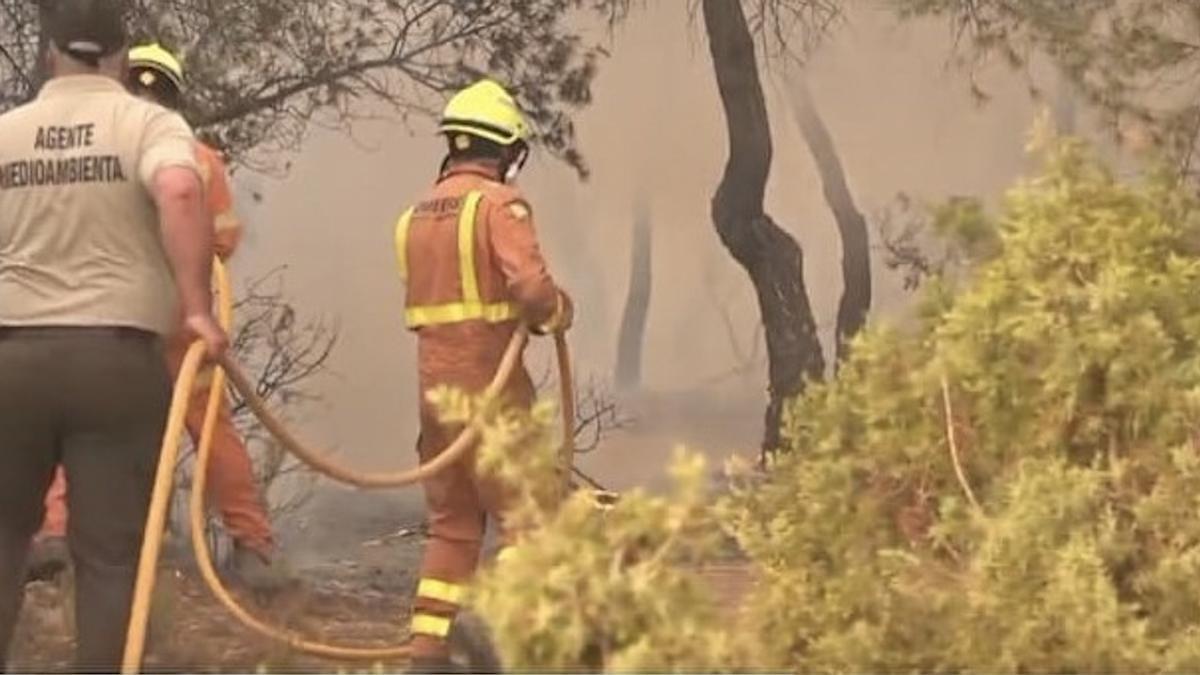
88, 30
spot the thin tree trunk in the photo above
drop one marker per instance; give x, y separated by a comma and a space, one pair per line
637, 302
852, 226
769, 254
1065, 107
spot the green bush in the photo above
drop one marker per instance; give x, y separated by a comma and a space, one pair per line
603, 590
1011, 484
1063, 381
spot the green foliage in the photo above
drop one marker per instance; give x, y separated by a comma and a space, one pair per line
1063, 381
1134, 60
1010, 485
585, 588
261, 72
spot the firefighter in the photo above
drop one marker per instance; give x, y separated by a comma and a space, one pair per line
469, 257
157, 75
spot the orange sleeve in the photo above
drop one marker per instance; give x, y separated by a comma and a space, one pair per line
515, 245
227, 226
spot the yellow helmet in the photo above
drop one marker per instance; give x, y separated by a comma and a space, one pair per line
486, 110
152, 58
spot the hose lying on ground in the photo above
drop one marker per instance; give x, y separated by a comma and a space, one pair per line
155, 522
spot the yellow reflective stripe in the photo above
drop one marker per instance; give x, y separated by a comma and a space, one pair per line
466, 248
428, 624
471, 306
435, 589
402, 243
431, 315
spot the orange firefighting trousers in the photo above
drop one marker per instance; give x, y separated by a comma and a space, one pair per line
231, 485
459, 502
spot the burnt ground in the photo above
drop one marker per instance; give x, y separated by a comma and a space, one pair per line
357, 555
196, 634
360, 598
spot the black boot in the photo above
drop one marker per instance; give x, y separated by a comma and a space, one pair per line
48, 558
261, 573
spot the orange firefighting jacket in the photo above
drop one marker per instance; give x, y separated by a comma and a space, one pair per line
470, 258
227, 230
219, 198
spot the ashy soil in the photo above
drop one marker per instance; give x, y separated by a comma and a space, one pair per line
348, 602
360, 598
356, 555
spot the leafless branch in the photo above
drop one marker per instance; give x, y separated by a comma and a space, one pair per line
597, 415
283, 354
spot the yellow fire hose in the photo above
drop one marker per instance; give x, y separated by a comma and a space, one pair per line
163, 484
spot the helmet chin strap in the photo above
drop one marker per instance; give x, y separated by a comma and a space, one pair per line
514, 167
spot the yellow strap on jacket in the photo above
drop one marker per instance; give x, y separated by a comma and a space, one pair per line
471, 306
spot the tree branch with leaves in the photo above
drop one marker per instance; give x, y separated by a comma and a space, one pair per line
262, 72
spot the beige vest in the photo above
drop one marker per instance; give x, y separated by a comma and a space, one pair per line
80, 243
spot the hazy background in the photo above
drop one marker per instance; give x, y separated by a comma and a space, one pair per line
902, 118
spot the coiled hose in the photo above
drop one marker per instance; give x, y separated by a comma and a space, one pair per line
163, 483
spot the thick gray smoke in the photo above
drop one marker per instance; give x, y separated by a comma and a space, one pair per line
901, 118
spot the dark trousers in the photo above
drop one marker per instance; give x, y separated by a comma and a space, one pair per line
94, 400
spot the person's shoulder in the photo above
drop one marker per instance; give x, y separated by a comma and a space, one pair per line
501, 194
148, 112
22, 113
506, 199
123, 100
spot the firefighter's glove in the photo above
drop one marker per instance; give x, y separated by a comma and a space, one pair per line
562, 320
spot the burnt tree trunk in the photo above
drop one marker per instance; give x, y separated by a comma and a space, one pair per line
769, 254
852, 226
637, 303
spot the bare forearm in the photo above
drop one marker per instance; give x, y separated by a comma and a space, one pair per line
187, 235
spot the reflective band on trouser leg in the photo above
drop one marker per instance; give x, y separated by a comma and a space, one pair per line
428, 624
402, 243
442, 591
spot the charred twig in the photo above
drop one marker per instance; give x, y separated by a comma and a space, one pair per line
597, 415
283, 354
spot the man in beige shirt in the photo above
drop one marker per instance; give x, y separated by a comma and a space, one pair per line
103, 232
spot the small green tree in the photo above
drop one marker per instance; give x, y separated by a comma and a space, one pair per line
1007, 486
1011, 485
